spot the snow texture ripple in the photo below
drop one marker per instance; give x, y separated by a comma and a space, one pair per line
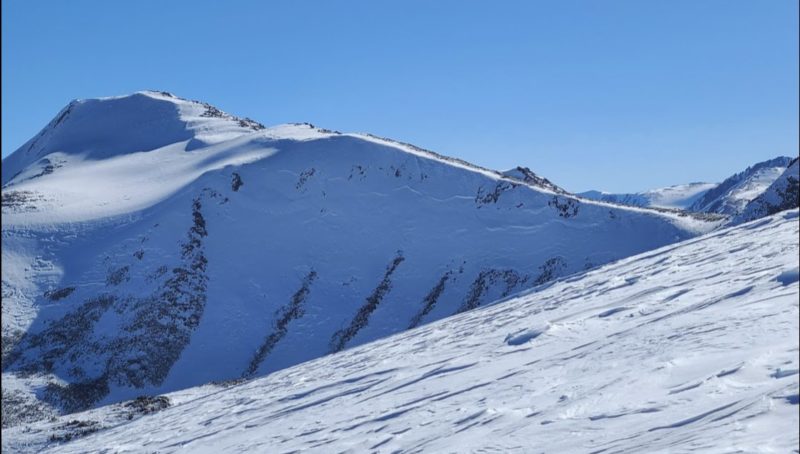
690, 347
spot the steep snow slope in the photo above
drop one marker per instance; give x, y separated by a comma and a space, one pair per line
233, 250
678, 197
782, 194
731, 196
691, 347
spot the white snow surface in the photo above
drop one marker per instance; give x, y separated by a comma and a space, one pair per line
679, 196
692, 347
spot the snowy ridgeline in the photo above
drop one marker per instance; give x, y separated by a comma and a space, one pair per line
675, 197
691, 347
728, 198
184, 245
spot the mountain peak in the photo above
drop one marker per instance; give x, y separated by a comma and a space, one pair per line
100, 128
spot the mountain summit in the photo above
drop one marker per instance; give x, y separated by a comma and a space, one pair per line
106, 127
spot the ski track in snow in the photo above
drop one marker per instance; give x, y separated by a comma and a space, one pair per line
691, 347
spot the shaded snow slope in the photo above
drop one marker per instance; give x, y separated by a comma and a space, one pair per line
154, 270
782, 194
677, 197
731, 196
691, 347
93, 129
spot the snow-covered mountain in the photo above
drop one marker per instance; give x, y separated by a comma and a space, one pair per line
691, 347
782, 194
152, 243
727, 198
732, 195
677, 197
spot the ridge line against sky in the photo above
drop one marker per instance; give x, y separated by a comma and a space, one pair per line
617, 95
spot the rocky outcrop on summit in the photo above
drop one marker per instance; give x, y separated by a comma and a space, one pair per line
528, 176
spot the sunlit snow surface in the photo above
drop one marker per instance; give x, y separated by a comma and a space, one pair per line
691, 347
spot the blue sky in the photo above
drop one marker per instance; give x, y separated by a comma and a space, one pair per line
606, 94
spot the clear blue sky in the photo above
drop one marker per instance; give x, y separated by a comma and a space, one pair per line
593, 94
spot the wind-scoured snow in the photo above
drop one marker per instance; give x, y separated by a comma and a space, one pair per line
232, 250
691, 347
